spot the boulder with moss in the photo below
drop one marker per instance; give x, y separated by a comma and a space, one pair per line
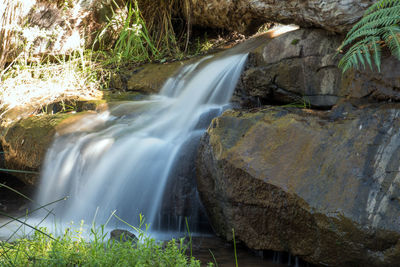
321, 185
26, 141
144, 79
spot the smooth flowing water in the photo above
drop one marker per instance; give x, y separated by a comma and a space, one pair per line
138, 158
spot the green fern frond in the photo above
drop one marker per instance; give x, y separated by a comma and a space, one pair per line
380, 5
392, 39
376, 52
367, 55
385, 14
361, 34
360, 49
378, 27
382, 13
360, 57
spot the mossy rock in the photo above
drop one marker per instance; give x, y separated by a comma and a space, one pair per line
26, 141
320, 185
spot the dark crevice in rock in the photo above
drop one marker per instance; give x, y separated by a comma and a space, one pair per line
12, 203
326, 67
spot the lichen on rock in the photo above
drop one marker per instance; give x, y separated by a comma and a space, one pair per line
321, 185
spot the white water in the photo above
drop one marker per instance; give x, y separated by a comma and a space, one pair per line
136, 157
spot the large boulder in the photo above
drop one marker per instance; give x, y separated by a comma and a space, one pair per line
300, 67
246, 16
321, 185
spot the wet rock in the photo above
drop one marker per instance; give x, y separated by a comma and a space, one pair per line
320, 185
25, 142
149, 78
295, 67
246, 16
120, 235
300, 68
181, 203
380, 86
144, 79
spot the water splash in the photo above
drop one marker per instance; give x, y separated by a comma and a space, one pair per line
139, 157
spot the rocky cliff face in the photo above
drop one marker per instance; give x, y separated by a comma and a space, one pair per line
300, 67
245, 16
322, 185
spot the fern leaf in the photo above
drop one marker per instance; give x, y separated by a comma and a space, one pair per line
360, 52
376, 52
370, 28
361, 33
360, 57
367, 55
392, 39
381, 13
380, 24
381, 4
350, 59
385, 13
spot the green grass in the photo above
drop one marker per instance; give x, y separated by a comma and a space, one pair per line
72, 249
134, 42
234, 247
87, 246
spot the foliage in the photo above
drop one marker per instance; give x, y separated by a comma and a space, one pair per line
134, 42
37, 83
71, 249
147, 32
166, 26
378, 28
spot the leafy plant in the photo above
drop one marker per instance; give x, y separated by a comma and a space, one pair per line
150, 30
72, 248
378, 28
134, 42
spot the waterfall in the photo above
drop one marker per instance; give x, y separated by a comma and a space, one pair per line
138, 157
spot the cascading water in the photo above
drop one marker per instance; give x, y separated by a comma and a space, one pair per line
139, 156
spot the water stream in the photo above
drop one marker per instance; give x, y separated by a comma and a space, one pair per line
138, 158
